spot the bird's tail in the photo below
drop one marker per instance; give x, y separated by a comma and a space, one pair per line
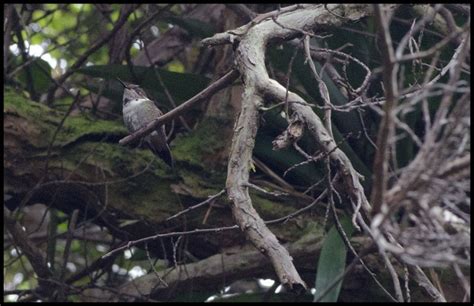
158, 145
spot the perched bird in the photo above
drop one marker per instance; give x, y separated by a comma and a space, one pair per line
138, 110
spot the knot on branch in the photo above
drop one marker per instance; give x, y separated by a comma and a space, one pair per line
292, 134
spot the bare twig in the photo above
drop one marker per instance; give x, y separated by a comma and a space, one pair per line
67, 249
210, 199
59, 127
258, 188
425, 282
323, 90
386, 130
170, 234
169, 96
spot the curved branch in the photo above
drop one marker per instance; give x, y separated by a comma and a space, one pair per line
250, 60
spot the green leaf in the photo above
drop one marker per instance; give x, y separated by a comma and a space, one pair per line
40, 72
36, 39
138, 255
181, 86
109, 90
332, 262
193, 26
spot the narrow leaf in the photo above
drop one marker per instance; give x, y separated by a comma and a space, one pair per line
332, 262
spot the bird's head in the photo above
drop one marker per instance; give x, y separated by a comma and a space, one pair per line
132, 92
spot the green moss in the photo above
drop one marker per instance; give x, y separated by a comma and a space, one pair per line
75, 127
40, 119
199, 185
205, 141
270, 208
16, 103
113, 159
296, 227
80, 151
46, 121
145, 195
310, 229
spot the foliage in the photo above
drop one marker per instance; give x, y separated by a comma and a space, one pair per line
332, 262
82, 113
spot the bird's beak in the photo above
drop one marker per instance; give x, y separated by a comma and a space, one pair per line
121, 82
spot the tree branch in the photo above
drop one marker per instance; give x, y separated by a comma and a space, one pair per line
250, 60
386, 130
209, 273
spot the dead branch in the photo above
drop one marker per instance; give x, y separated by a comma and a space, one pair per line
209, 272
250, 58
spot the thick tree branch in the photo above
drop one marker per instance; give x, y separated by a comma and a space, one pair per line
250, 60
209, 273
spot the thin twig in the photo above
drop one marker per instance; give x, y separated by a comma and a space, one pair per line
386, 129
258, 188
67, 249
210, 199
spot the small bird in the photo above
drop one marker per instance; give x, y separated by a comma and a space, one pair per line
138, 110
